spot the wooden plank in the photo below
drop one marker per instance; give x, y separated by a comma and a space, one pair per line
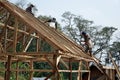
74, 71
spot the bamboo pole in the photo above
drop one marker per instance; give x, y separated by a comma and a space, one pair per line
70, 68
17, 72
29, 43
79, 77
31, 72
88, 67
5, 32
56, 75
8, 68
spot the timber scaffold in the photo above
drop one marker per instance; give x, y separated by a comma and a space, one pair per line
17, 27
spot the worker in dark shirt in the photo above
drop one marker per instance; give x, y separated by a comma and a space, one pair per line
52, 22
29, 9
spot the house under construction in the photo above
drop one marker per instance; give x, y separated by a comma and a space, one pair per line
17, 27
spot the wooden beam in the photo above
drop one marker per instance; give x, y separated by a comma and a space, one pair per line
75, 56
63, 62
31, 53
79, 77
88, 67
44, 70
8, 68
50, 62
1, 48
58, 60
37, 44
31, 72
28, 43
74, 71
70, 68
15, 35
17, 68
21, 31
56, 75
5, 33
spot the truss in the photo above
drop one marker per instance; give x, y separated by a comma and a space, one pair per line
19, 29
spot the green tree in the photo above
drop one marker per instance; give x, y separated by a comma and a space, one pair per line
115, 51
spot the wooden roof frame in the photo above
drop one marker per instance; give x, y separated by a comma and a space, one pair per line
65, 50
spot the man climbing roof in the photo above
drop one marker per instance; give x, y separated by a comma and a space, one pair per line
87, 42
29, 9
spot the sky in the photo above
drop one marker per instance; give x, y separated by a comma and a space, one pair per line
102, 12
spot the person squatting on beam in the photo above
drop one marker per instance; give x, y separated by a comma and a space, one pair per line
29, 9
52, 23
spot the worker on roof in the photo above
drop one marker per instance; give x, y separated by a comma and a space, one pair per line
29, 9
52, 23
87, 43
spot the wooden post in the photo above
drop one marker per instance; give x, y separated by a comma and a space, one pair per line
31, 72
5, 32
7, 77
79, 71
24, 38
88, 67
37, 44
8, 63
17, 72
15, 34
70, 68
56, 75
